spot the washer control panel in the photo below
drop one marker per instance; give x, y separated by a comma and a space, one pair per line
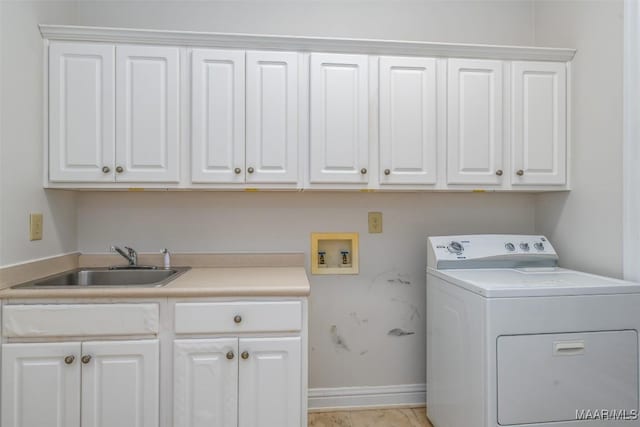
506, 248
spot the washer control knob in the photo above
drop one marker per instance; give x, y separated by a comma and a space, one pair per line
539, 246
510, 247
455, 248
524, 247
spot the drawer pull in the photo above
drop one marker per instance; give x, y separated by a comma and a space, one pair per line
69, 360
571, 348
245, 355
230, 355
86, 359
237, 318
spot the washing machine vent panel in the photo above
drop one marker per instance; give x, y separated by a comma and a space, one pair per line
548, 377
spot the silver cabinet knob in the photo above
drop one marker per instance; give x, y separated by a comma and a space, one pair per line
86, 359
237, 171
387, 172
69, 360
499, 172
230, 355
119, 169
250, 170
520, 172
237, 318
363, 171
106, 169
245, 355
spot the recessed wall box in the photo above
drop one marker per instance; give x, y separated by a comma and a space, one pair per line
330, 250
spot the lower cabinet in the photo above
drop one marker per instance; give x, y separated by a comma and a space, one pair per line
246, 382
88, 384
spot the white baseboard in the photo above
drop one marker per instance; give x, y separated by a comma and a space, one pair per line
347, 398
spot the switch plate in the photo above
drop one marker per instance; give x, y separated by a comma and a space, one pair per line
35, 226
375, 222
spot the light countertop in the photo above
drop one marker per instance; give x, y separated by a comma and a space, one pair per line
197, 282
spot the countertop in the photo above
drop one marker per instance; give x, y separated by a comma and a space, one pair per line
197, 282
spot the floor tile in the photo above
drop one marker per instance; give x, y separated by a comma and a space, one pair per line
385, 418
329, 419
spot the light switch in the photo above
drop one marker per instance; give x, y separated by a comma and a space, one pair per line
35, 226
375, 222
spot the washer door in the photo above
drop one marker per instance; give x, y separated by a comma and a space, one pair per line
549, 377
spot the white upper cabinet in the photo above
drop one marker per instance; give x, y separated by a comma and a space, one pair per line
474, 115
270, 382
217, 116
41, 385
81, 112
539, 117
120, 383
147, 114
408, 137
205, 383
224, 111
272, 117
339, 119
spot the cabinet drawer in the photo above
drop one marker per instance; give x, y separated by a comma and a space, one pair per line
219, 317
65, 320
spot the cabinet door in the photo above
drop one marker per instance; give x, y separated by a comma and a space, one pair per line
120, 384
205, 387
270, 382
475, 139
339, 118
39, 387
539, 117
81, 112
407, 120
272, 117
147, 122
217, 116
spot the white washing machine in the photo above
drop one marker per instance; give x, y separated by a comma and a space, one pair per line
513, 340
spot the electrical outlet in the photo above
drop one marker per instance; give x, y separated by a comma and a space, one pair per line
35, 226
375, 222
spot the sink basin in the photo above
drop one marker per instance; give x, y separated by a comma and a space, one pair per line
102, 277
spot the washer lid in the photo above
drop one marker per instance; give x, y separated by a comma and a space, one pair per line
533, 282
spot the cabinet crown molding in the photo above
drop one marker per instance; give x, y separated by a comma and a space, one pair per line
299, 43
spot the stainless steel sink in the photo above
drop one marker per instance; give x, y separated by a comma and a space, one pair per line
103, 277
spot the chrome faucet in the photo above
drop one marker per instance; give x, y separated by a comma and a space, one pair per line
131, 255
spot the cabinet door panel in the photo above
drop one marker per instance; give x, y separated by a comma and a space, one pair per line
81, 112
147, 131
272, 117
408, 120
474, 122
539, 123
270, 382
120, 384
218, 114
205, 383
38, 388
339, 118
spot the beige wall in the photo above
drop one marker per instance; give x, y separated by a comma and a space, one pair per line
21, 130
585, 225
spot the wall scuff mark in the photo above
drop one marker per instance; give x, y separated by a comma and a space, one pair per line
358, 319
402, 278
397, 332
337, 340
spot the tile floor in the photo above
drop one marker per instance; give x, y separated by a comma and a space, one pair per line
410, 417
